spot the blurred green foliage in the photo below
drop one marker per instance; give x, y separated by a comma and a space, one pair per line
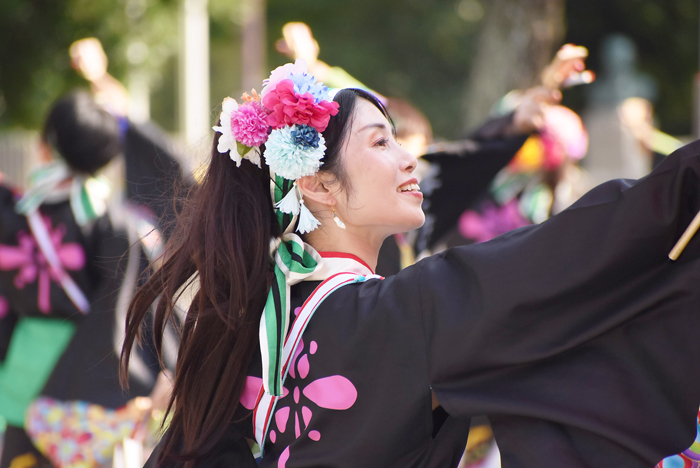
224, 52
420, 50
35, 36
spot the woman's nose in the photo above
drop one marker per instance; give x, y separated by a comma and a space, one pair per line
408, 161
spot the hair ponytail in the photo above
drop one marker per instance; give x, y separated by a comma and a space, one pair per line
223, 235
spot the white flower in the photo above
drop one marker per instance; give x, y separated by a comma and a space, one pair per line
253, 155
228, 144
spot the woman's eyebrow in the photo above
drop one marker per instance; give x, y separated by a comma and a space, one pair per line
378, 125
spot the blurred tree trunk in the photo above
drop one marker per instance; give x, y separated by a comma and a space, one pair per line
517, 41
253, 44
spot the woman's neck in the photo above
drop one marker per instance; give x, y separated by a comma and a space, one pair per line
330, 238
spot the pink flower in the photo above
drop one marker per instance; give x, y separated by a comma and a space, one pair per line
289, 108
248, 124
282, 73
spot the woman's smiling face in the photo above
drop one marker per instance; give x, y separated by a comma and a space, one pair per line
384, 195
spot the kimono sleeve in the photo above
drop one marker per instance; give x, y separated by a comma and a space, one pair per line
457, 180
153, 171
577, 336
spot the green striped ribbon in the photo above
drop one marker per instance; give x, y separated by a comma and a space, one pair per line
280, 187
294, 260
43, 182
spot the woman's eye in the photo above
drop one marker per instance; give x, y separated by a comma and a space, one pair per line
382, 142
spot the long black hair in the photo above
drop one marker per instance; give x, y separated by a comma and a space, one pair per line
223, 235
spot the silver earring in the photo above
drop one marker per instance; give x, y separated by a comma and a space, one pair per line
337, 220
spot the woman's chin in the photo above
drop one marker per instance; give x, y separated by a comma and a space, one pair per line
411, 222
419, 222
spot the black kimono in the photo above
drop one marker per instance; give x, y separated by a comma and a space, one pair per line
578, 337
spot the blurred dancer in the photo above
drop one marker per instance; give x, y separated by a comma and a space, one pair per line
464, 172
542, 179
65, 282
637, 115
522, 189
41, 295
89, 59
154, 167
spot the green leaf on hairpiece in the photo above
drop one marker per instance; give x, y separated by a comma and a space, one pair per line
242, 149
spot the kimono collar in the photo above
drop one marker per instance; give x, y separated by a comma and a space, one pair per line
294, 261
339, 262
88, 195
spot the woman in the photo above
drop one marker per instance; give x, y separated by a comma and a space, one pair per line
571, 335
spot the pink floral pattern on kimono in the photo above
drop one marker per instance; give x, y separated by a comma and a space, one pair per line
333, 392
31, 265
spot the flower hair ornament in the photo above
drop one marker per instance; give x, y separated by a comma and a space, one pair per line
286, 119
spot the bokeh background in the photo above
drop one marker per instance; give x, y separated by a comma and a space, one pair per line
451, 58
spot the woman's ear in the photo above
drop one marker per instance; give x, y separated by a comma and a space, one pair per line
313, 188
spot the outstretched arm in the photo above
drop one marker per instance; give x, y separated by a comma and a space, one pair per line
578, 336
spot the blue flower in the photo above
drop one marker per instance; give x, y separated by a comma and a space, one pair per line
306, 136
291, 159
306, 83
